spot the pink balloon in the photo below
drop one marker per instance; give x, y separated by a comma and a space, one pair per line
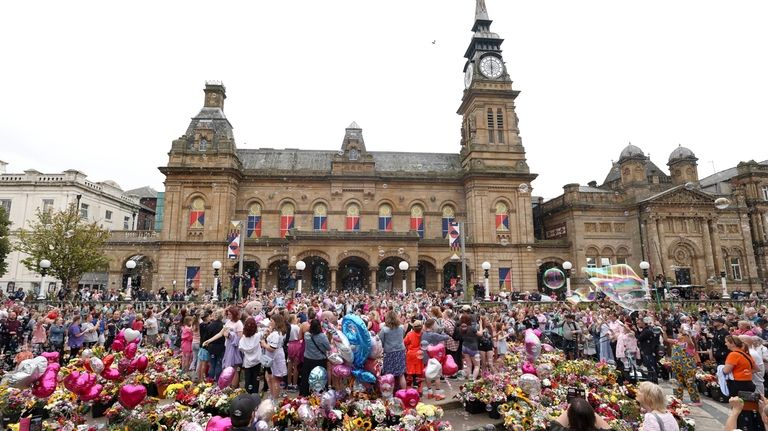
449, 366
45, 387
70, 380
131, 395
341, 371
83, 383
373, 365
437, 352
532, 345
547, 348
141, 363
130, 350
92, 393
386, 385
226, 377
111, 374
118, 345
218, 423
537, 332
529, 368
120, 336
51, 356
409, 397
125, 367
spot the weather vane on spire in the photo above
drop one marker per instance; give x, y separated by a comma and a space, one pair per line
481, 12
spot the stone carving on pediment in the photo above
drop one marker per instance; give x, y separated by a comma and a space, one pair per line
683, 197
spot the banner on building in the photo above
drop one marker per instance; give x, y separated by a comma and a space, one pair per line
193, 277
233, 240
454, 236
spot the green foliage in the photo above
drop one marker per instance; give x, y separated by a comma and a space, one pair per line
5, 242
73, 246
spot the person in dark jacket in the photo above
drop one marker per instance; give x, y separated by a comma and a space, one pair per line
216, 347
648, 341
719, 349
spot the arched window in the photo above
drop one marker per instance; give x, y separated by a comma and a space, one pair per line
385, 218
203, 144
353, 218
449, 215
286, 219
502, 217
197, 214
417, 220
254, 221
592, 253
320, 218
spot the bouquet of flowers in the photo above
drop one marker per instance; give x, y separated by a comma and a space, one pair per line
14, 401
62, 404
681, 413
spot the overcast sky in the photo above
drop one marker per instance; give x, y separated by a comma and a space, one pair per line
104, 87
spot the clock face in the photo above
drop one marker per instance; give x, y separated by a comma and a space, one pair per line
468, 76
491, 67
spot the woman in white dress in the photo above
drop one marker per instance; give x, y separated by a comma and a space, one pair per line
273, 350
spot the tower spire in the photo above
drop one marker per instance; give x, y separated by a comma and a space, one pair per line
481, 12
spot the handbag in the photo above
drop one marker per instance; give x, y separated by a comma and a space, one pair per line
266, 361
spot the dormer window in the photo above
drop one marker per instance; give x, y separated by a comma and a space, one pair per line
354, 154
203, 144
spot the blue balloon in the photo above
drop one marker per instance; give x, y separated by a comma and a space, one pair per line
364, 376
359, 338
318, 378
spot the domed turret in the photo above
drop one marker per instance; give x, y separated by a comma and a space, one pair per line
682, 166
631, 151
632, 164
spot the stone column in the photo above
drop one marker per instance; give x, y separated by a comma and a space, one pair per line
332, 287
262, 279
439, 277
652, 246
662, 247
372, 274
717, 251
707, 247
412, 280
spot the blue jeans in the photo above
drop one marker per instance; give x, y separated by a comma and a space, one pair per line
215, 366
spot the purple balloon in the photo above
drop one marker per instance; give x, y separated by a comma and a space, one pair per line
341, 370
226, 377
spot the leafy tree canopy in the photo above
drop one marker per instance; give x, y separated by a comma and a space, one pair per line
5, 242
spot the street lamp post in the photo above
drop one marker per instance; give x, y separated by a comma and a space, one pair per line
44, 265
130, 265
725, 288
486, 267
567, 266
644, 266
403, 265
216, 267
300, 265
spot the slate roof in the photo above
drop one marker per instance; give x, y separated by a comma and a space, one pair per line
320, 161
722, 176
650, 170
143, 192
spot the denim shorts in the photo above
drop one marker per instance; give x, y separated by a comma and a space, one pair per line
202, 354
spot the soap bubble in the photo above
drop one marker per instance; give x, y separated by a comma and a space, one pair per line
50, 247
626, 213
390, 271
690, 186
384, 186
523, 188
488, 408
722, 203
553, 278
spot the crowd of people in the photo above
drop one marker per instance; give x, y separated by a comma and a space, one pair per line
274, 340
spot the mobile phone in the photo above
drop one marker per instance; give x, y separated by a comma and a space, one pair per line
749, 396
574, 393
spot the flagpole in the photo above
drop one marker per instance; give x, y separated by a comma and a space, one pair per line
243, 234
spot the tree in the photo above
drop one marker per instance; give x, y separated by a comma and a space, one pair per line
5, 243
73, 246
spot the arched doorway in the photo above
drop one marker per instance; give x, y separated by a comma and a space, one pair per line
279, 276
251, 277
316, 276
353, 274
425, 275
451, 271
140, 276
385, 283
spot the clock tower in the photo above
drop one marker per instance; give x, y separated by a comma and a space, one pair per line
490, 138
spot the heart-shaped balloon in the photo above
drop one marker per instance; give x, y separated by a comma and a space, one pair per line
449, 366
111, 374
97, 366
141, 363
83, 383
130, 335
532, 345
335, 359
433, 369
344, 348
27, 372
218, 423
130, 350
341, 371
120, 335
528, 368
45, 387
363, 376
131, 395
226, 377
437, 352
51, 356
118, 345
69, 381
92, 393
107, 360
318, 378
410, 397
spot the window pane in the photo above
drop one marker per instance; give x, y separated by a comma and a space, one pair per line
591, 262
83, 210
6, 204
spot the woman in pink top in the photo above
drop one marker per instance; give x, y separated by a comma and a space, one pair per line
186, 343
627, 351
